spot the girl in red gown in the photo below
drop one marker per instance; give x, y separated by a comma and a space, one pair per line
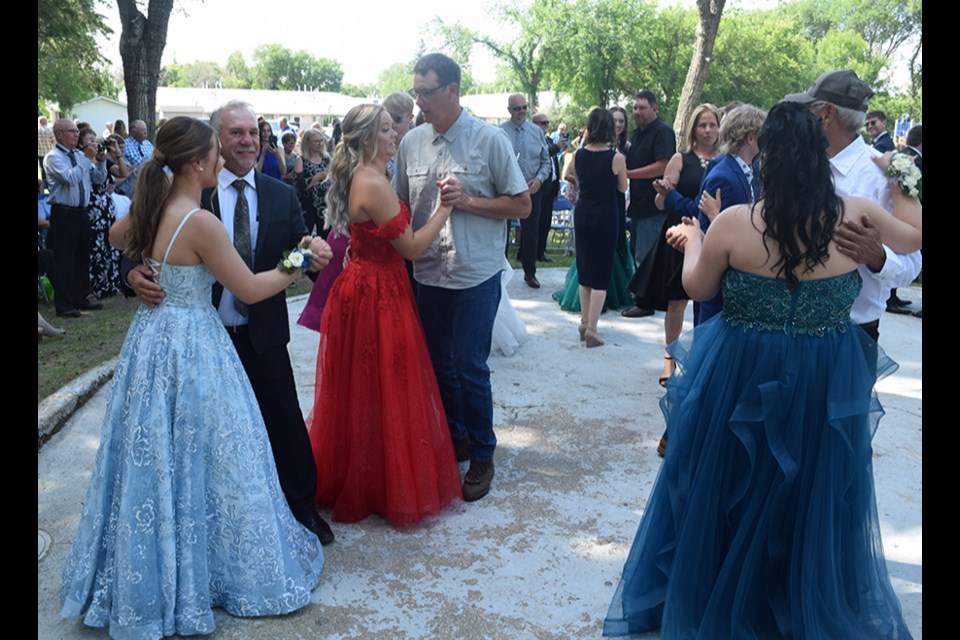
378, 429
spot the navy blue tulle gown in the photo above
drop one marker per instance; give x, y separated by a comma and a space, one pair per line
184, 511
763, 520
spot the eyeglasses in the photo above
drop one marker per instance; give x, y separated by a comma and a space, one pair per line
426, 93
520, 108
871, 123
542, 123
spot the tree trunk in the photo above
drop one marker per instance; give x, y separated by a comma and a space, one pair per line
142, 40
709, 12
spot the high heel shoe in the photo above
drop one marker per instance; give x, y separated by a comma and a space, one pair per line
583, 331
663, 379
593, 339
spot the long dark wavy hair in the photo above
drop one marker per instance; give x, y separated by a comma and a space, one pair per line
801, 208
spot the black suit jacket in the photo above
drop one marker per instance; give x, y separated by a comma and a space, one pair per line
281, 228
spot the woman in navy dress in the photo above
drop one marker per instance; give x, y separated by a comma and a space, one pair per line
763, 520
599, 173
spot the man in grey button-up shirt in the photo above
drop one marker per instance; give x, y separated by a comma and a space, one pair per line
469, 165
530, 150
71, 174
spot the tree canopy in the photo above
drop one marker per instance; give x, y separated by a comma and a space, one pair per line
70, 67
600, 52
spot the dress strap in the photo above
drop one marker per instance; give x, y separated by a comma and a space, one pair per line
177, 233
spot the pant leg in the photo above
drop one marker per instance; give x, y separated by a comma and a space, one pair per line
546, 219
63, 241
436, 316
647, 231
632, 239
271, 377
474, 312
529, 236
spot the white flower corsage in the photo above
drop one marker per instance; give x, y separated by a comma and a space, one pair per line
294, 259
903, 172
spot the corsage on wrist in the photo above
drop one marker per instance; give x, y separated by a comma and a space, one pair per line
903, 173
295, 259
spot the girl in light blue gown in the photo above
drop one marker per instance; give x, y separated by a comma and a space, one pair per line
184, 511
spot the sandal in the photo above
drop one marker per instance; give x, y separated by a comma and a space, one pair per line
663, 379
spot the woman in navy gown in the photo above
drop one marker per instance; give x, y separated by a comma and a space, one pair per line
184, 510
763, 520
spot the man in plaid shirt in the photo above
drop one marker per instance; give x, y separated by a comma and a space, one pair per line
45, 143
137, 150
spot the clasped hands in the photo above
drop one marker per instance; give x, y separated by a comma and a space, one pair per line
451, 193
679, 235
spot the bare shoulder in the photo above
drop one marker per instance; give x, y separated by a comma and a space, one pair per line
737, 215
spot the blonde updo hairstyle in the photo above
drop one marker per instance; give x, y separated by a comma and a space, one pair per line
179, 142
360, 125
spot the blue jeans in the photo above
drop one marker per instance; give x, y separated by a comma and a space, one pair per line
644, 234
458, 324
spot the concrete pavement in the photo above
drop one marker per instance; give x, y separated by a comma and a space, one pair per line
541, 555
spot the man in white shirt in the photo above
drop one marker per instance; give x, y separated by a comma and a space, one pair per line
839, 99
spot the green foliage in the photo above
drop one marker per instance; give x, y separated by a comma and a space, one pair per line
848, 50
236, 72
396, 77
759, 58
358, 90
200, 73
70, 68
896, 106
276, 67
528, 55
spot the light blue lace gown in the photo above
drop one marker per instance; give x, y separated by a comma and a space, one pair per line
763, 521
184, 511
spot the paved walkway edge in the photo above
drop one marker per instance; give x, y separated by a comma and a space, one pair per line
57, 408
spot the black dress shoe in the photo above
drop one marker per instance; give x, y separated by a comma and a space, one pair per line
900, 311
898, 301
90, 306
636, 312
68, 313
544, 259
532, 281
315, 522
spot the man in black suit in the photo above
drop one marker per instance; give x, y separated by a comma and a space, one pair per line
270, 220
876, 126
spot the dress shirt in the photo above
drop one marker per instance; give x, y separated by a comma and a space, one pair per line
469, 249
855, 174
227, 195
64, 179
748, 174
534, 159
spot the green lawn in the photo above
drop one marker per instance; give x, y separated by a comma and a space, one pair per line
91, 339
98, 335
